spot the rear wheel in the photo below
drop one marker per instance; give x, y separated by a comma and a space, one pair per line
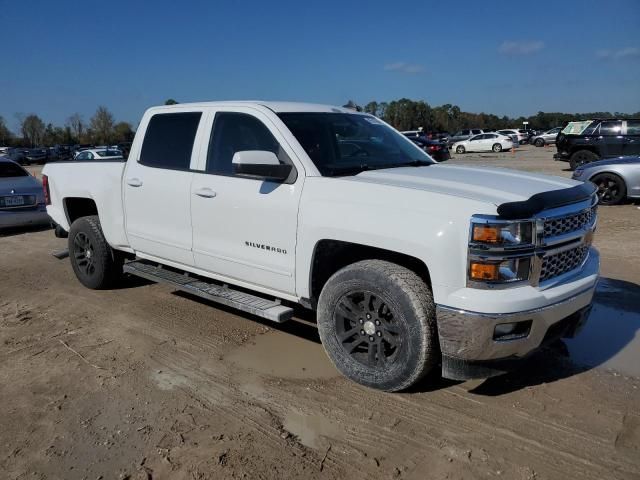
460, 149
94, 262
539, 142
496, 147
377, 323
582, 157
611, 188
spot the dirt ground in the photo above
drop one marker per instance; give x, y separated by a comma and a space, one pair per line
142, 382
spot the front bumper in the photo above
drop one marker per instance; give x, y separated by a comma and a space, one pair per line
467, 337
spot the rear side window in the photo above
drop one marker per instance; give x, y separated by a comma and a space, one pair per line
475, 132
237, 132
611, 128
8, 170
633, 127
168, 141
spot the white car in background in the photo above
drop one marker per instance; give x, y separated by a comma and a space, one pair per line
485, 142
98, 154
517, 135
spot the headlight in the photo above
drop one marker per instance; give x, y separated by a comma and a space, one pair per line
499, 271
503, 234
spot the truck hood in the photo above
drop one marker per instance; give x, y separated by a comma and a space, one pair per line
485, 184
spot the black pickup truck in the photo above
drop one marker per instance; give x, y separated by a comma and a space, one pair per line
583, 142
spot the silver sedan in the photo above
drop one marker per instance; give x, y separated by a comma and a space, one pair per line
21, 197
617, 179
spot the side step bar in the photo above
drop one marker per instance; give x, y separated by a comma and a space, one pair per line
269, 309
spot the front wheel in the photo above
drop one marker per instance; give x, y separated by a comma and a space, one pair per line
460, 149
377, 324
94, 262
611, 188
539, 142
496, 147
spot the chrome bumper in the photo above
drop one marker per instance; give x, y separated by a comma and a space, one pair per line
469, 336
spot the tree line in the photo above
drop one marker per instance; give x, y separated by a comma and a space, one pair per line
403, 114
100, 129
406, 114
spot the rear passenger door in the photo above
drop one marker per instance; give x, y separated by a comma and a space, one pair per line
157, 186
632, 138
611, 139
244, 229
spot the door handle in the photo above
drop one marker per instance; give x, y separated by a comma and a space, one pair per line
205, 192
134, 182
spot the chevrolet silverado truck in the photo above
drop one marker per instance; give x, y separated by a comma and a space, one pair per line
410, 265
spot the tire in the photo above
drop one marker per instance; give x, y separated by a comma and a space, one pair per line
581, 157
94, 262
395, 310
611, 188
460, 149
496, 147
539, 142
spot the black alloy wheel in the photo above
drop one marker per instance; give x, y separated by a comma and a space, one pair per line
84, 254
367, 330
611, 188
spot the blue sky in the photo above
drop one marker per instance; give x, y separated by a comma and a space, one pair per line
509, 57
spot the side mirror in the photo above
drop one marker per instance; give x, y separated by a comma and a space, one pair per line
260, 164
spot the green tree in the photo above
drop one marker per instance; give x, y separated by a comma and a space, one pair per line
123, 132
102, 125
32, 129
6, 136
76, 126
170, 101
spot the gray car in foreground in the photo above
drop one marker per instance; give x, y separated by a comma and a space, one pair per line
617, 179
21, 197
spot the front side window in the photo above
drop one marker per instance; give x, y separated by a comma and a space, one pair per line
237, 132
346, 143
168, 141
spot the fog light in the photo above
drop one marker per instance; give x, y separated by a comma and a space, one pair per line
512, 331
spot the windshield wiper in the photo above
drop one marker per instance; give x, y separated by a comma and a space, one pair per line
412, 163
349, 170
355, 169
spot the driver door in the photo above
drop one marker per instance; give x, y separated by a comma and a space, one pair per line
244, 229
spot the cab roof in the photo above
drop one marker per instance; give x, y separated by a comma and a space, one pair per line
277, 107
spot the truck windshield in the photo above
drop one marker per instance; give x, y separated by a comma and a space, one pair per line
346, 144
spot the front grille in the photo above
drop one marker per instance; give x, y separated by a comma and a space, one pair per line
571, 223
563, 262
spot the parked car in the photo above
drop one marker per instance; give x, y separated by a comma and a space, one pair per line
485, 142
18, 155
464, 134
437, 150
518, 136
4, 150
617, 179
22, 200
545, 138
411, 265
590, 140
98, 154
37, 155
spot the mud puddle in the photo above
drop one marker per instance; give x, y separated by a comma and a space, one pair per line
611, 337
284, 355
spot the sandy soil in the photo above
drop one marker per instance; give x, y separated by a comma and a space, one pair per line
142, 382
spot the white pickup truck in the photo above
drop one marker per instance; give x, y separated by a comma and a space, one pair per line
410, 265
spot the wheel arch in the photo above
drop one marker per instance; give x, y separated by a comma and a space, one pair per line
76, 207
331, 255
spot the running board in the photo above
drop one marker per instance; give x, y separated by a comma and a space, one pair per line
269, 309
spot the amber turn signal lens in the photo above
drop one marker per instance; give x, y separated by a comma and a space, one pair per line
485, 271
486, 234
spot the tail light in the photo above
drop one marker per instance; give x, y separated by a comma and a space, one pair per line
45, 189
